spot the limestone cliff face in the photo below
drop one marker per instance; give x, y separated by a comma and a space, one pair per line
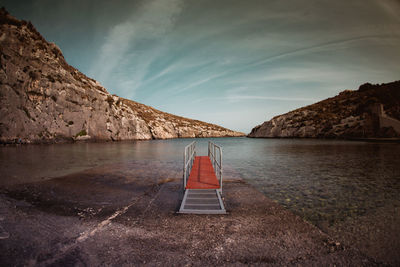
351, 114
43, 99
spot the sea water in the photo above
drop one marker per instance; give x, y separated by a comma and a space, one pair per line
324, 181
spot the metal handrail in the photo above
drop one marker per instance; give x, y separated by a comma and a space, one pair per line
190, 153
217, 164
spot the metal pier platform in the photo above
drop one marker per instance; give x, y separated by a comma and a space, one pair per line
202, 181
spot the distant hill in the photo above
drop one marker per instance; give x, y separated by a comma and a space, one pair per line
351, 114
43, 99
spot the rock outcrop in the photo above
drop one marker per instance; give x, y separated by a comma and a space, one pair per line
43, 99
351, 114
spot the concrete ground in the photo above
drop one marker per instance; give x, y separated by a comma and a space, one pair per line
124, 215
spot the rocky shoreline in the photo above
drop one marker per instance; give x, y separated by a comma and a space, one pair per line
106, 217
370, 112
17, 142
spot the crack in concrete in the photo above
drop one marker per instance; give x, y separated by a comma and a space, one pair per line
86, 234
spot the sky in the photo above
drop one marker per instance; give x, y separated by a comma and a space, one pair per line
232, 63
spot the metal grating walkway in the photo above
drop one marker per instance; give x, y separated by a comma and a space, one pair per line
202, 201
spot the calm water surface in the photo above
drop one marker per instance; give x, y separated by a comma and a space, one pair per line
318, 179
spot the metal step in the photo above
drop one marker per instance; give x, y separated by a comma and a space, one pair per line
202, 201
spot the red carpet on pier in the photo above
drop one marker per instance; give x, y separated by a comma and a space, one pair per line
202, 175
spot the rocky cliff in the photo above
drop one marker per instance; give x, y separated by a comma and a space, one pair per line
43, 99
351, 114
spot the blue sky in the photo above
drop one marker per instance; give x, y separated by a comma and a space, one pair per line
233, 63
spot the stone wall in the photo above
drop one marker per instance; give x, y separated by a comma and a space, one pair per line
386, 121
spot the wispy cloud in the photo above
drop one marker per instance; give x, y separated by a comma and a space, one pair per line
391, 7
240, 98
236, 98
239, 55
326, 47
197, 83
113, 50
125, 42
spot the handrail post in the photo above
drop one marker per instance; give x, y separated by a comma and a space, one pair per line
215, 161
215, 151
184, 170
188, 159
220, 169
